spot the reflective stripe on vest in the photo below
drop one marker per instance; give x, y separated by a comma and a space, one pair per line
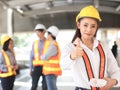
37, 61
52, 66
89, 67
10, 71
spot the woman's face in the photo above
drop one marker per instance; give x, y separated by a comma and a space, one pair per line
88, 28
11, 45
49, 35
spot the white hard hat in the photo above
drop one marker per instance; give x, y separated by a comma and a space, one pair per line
40, 26
53, 30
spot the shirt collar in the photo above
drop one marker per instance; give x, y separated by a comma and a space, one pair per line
42, 39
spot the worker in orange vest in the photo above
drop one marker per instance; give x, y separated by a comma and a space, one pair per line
51, 68
8, 65
36, 64
92, 62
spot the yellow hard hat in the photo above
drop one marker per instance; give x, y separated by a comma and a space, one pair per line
4, 38
89, 11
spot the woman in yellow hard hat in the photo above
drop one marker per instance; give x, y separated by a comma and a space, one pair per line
91, 60
8, 65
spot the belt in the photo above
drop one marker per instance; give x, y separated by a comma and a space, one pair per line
79, 88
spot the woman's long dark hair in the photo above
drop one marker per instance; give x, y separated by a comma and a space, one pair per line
6, 44
78, 33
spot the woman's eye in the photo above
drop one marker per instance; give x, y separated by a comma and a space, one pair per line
93, 26
85, 25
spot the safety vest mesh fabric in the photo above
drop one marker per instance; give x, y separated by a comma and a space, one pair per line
52, 65
10, 71
37, 60
89, 67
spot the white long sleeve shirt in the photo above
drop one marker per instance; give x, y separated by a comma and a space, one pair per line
78, 67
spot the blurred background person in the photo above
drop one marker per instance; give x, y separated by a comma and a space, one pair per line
51, 68
115, 49
8, 65
36, 64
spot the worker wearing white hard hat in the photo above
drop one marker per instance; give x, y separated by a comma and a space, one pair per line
40, 27
8, 65
36, 64
51, 68
53, 30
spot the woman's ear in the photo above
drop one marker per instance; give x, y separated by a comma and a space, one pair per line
78, 25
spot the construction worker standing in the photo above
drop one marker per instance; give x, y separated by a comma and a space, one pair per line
36, 64
8, 65
91, 61
51, 68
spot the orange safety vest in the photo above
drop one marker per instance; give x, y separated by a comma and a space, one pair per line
52, 66
89, 68
37, 60
10, 71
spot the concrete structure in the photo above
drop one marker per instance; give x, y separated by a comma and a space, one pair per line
18, 16
26, 13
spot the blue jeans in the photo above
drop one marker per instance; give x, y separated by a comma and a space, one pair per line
8, 83
36, 74
51, 80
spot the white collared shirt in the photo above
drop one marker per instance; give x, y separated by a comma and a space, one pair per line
78, 67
